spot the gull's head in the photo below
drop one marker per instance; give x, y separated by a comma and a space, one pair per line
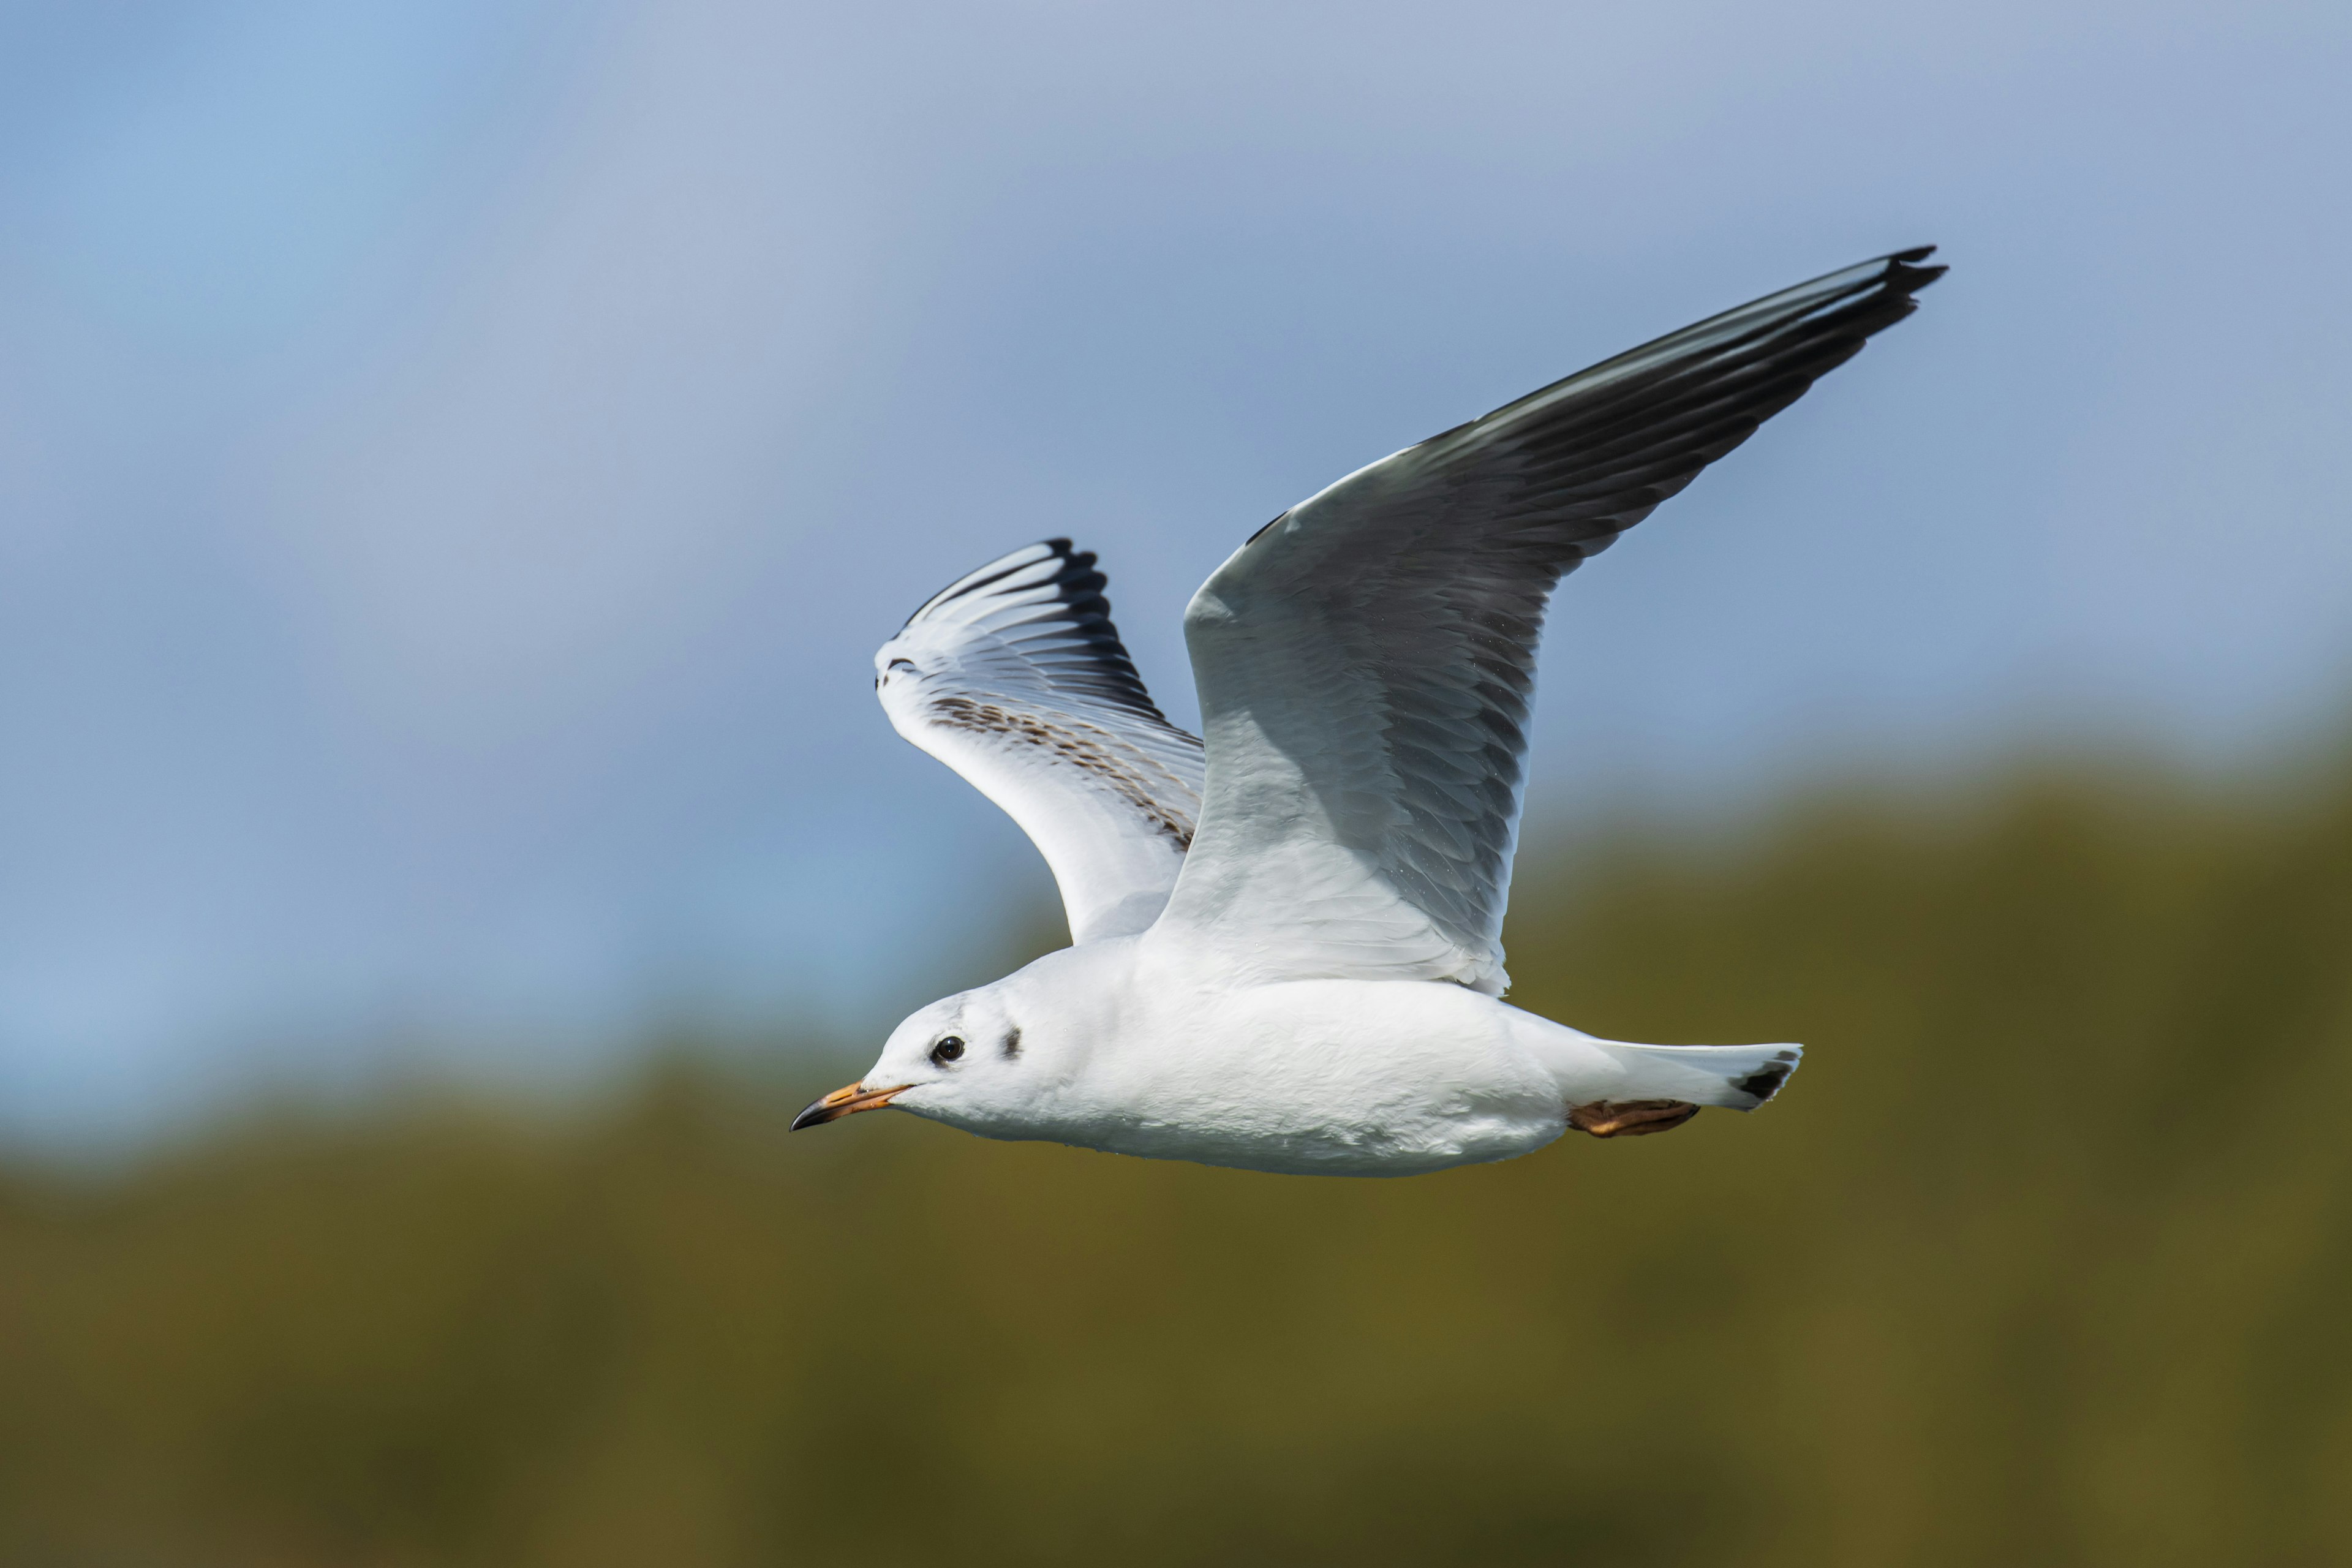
964, 1060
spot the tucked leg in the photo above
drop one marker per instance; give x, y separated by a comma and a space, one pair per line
1630, 1117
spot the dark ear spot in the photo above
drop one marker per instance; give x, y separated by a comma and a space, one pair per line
1012, 1041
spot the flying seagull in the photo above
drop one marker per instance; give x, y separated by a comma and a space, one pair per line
1285, 948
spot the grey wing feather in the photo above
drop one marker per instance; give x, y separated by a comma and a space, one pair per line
1366, 661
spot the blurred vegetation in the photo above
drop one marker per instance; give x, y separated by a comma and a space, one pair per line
2045, 1257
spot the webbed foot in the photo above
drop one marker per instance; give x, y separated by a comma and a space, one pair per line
1630, 1117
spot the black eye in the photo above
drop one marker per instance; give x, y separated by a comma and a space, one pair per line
948, 1049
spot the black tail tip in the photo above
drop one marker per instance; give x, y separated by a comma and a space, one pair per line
1766, 1081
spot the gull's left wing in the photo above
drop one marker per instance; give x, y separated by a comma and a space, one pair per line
1366, 660
1015, 678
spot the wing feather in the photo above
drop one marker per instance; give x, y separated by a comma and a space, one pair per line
1014, 676
1366, 661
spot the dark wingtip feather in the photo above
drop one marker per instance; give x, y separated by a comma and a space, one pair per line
1078, 649
1905, 276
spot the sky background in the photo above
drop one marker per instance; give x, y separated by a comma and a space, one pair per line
457, 457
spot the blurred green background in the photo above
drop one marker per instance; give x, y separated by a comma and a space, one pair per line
2046, 1257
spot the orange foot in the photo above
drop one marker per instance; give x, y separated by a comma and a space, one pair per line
1630, 1117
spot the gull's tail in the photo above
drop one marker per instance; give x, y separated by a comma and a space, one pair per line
1740, 1077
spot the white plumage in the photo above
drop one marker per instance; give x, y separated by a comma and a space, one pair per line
1287, 940
1015, 678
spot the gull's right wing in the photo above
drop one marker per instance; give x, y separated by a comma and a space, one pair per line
1015, 678
1366, 660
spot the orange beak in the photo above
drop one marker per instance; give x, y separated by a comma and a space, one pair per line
847, 1101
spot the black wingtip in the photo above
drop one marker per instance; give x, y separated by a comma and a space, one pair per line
1904, 273
1086, 656
1076, 565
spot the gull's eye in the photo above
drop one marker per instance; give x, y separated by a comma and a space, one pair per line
948, 1049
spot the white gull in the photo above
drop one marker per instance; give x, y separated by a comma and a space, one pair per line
1287, 935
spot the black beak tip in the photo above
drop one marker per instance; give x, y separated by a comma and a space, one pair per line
816, 1115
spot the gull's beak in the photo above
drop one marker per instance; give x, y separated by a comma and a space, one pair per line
847, 1101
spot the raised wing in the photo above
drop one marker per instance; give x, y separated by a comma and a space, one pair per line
1015, 678
1366, 660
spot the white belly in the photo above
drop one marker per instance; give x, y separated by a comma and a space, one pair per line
1339, 1077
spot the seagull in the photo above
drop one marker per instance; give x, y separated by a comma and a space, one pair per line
1286, 945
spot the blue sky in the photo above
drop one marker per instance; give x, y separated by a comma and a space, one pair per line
455, 460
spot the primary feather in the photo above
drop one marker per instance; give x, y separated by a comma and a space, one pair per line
1014, 677
1365, 662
